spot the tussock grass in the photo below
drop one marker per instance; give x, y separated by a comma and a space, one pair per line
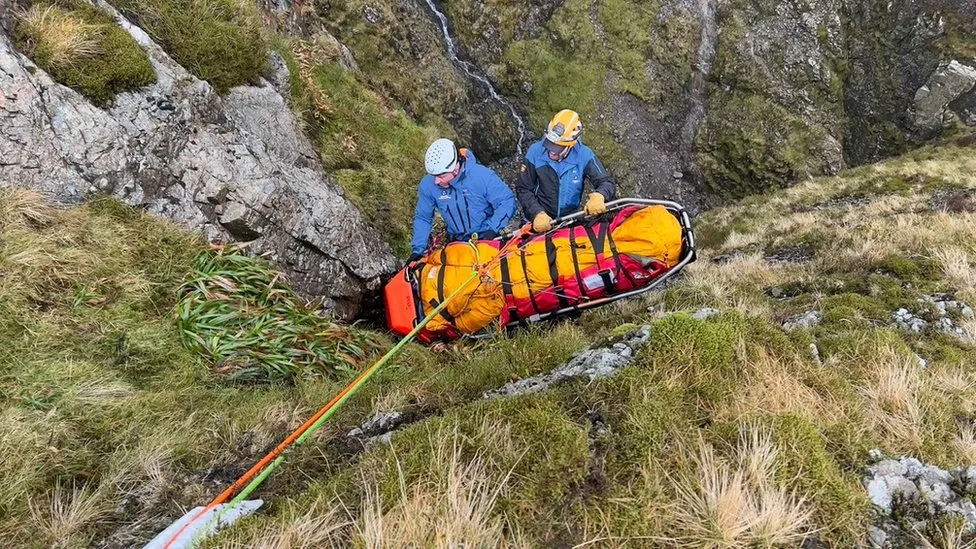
62, 38
892, 395
219, 41
738, 503
452, 509
82, 48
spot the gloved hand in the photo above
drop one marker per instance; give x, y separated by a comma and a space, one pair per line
487, 235
414, 257
542, 222
595, 204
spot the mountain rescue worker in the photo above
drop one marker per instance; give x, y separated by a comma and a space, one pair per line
470, 197
553, 172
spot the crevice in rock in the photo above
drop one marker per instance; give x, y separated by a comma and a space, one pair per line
698, 87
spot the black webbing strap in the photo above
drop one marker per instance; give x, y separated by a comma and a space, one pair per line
506, 276
616, 259
507, 286
528, 285
554, 271
597, 242
447, 316
440, 275
576, 269
440, 287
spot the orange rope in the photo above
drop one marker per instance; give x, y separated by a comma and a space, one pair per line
271, 456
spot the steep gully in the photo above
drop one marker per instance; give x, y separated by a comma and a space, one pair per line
474, 73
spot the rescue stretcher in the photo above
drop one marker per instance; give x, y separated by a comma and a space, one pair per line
555, 269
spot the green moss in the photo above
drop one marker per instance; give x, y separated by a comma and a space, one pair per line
626, 23
219, 41
805, 245
913, 269
674, 44
959, 40
707, 351
748, 144
106, 60
853, 309
811, 466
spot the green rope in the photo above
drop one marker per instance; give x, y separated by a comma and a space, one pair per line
266, 472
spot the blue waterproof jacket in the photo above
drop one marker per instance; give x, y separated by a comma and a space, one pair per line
476, 201
556, 187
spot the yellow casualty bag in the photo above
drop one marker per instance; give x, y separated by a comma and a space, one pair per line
545, 273
445, 270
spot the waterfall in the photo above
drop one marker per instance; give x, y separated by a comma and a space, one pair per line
475, 74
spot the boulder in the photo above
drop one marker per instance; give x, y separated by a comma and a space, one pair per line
235, 168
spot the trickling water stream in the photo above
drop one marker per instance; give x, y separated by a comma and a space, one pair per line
474, 73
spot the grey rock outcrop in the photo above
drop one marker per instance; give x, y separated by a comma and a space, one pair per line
236, 168
589, 364
930, 112
807, 321
937, 312
909, 495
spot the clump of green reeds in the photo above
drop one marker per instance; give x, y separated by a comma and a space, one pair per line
249, 325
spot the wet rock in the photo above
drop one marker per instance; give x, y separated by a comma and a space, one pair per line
178, 149
807, 320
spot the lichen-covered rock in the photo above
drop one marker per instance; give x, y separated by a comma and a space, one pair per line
589, 364
807, 321
938, 312
234, 167
909, 497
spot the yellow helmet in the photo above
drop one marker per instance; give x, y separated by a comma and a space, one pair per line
564, 128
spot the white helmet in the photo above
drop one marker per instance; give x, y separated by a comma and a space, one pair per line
441, 157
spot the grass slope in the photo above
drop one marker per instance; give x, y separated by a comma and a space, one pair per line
81, 47
725, 432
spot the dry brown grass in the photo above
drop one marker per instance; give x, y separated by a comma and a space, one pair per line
737, 502
731, 285
773, 387
454, 508
62, 38
891, 394
64, 514
958, 268
318, 527
965, 444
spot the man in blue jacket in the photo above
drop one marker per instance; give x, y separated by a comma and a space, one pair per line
470, 197
553, 172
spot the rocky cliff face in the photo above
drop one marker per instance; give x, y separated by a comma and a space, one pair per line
235, 167
695, 100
